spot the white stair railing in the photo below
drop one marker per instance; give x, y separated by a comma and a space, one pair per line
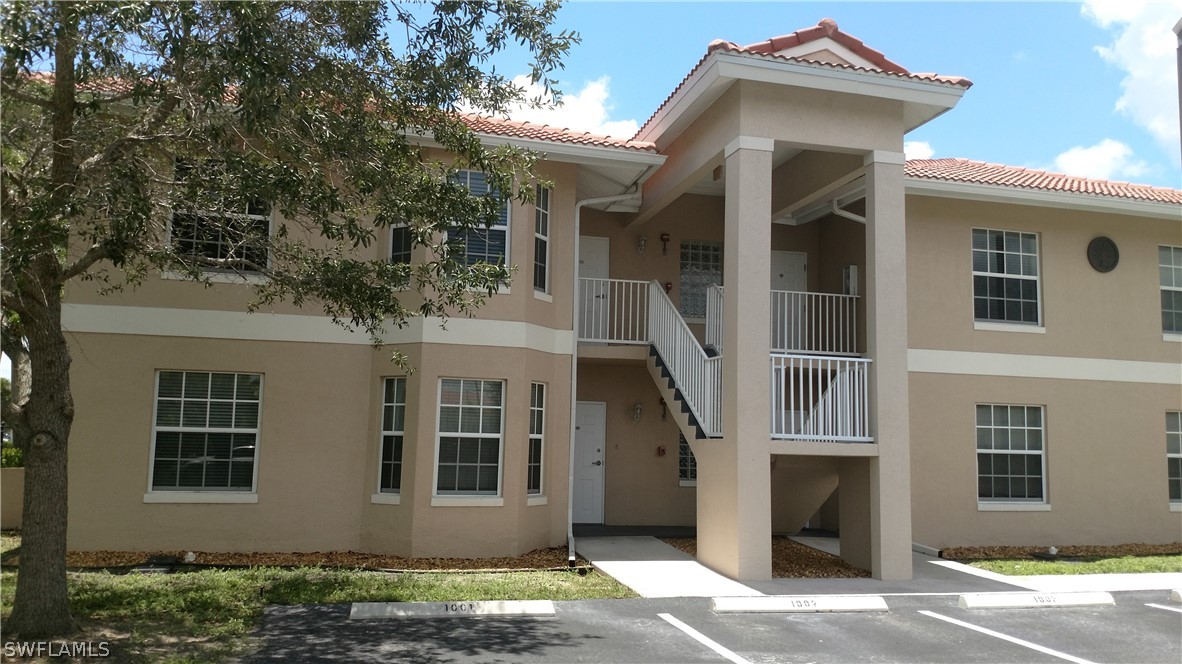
614, 311
801, 322
820, 398
697, 376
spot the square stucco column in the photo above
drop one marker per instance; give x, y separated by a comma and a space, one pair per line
886, 343
734, 515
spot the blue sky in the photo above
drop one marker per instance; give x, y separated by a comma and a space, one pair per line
1086, 88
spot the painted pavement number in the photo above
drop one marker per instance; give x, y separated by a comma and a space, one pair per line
378, 610
1016, 600
798, 604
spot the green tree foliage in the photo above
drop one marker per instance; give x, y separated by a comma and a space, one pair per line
122, 122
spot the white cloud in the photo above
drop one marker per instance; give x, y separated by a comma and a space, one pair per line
589, 109
1143, 47
918, 150
1107, 160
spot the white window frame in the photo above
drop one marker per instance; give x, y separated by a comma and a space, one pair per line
542, 235
191, 494
464, 177
1175, 280
687, 472
392, 430
1173, 430
539, 437
475, 498
390, 243
1002, 324
1010, 503
682, 290
234, 273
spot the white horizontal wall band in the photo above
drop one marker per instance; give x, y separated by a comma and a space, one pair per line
212, 324
749, 143
920, 360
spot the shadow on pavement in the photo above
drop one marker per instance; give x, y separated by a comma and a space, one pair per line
325, 634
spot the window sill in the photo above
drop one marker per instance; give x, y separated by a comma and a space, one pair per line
1171, 336
533, 501
545, 297
689, 483
1176, 507
386, 499
218, 277
467, 501
1013, 507
200, 497
1009, 327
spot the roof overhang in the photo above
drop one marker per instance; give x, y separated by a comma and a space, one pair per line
1041, 198
922, 100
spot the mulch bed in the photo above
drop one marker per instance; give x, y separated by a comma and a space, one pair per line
1073, 551
791, 560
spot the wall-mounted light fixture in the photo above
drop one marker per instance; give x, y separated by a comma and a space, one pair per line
665, 244
640, 243
664, 409
637, 411
668, 287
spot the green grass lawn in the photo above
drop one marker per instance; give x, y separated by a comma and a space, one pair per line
206, 616
9, 540
1122, 565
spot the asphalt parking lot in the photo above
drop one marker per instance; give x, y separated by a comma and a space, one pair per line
1143, 626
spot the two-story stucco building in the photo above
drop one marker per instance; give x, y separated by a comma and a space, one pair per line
751, 316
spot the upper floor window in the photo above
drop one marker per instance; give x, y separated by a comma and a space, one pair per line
542, 240
1005, 276
1170, 269
206, 431
483, 245
470, 436
1010, 454
1174, 454
222, 239
701, 268
400, 243
393, 432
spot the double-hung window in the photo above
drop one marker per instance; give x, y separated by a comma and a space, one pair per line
230, 239
1005, 277
537, 427
471, 422
206, 431
701, 268
1170, 269
400, 243
483, 245
1174, 455
542, 240
1011, 454
393, 433
687, 465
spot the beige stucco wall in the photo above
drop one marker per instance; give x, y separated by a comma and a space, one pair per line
641, 487
318, 450
1105, 462
12, 492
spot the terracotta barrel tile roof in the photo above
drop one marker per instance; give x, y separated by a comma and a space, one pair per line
538, 132
979, 172
826, 28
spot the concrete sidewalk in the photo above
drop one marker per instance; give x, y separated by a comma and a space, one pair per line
652, 568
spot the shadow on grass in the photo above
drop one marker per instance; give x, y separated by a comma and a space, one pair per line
325, 634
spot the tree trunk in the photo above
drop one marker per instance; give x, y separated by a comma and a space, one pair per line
41, 608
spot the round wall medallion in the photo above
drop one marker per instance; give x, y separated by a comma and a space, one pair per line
1103, 254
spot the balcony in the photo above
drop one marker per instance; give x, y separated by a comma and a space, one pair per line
818, 384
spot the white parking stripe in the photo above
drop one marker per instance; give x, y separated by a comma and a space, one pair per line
1006, 637
1167, 608
703, 639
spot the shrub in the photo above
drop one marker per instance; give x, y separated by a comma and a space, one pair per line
11, 457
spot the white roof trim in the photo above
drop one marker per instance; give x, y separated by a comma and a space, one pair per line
1041, 198
593, 155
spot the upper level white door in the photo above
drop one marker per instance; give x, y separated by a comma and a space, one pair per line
594, 253
789, 273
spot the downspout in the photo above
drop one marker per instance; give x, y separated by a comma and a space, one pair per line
574, 368
843, 213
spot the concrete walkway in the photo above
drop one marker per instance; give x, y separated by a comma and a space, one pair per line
652, 568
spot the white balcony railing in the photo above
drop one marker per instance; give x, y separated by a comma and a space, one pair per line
614, 311
801, 322
819, 398
697, 376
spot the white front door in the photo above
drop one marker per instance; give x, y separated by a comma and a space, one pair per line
789, 273
593, 264
590, 427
